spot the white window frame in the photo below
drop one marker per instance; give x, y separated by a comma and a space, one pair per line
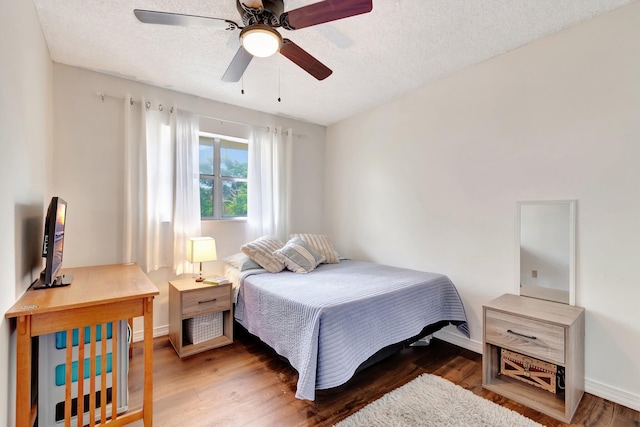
217, 178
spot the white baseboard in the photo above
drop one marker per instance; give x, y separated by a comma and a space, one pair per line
459, 340
613, 394
157, 332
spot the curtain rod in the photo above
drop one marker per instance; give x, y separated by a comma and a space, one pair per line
267, 128
101, 95
227, 121
131, 101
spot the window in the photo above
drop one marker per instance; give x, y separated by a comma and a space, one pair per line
223, 176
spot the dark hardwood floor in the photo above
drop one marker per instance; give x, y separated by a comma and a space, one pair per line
247, 384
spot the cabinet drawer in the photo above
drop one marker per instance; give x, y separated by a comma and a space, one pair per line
534, 338
205, 300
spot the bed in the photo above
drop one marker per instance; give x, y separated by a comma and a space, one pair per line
340, 317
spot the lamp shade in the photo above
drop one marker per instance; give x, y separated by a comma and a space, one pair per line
260, 40
200, 249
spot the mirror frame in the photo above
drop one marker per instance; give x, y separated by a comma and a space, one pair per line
572, 242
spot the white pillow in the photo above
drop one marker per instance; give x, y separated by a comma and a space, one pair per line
261, 251
241, 262
322, 245
298, 256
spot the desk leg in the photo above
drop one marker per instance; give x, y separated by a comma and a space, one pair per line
148, 363
23, 374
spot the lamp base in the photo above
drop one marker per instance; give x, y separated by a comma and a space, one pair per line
200, 277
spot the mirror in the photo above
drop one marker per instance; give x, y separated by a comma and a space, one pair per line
546, 248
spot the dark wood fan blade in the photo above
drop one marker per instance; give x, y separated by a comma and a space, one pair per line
239, 63
325, 11
166, 18
305, 61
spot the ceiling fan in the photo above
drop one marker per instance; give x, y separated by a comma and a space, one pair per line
259, 35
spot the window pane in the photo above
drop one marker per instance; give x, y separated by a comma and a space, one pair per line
206, 156
233, 159
206, 197
234, 195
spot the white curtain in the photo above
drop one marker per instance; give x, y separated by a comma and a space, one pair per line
149, 185
187, 196
131, 182
269, 177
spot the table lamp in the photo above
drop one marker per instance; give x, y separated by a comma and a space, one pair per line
200, 249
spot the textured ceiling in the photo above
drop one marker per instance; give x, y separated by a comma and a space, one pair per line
398, 47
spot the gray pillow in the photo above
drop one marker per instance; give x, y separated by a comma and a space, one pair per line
298, 256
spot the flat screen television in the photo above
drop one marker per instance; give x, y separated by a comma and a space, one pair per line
53, 246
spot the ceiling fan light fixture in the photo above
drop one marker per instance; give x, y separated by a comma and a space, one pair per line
261, 40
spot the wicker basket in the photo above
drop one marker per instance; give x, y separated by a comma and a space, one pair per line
203, 328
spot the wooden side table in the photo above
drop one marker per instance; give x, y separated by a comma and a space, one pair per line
98, 294
548, 331
195, 305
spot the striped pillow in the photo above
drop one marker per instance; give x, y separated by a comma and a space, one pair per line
261, 251
298, 257
322, 245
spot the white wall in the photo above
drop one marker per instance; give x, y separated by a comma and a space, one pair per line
430, 181
88, 168
25, 158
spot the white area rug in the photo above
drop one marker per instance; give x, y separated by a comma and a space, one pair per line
433, 401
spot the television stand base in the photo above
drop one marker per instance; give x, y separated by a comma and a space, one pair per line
62, 280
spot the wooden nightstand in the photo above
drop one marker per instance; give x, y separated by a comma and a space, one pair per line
543, 330
194, 306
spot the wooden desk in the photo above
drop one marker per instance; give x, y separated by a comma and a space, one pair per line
98, 294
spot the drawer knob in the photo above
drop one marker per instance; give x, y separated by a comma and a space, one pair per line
207, 300
531, 337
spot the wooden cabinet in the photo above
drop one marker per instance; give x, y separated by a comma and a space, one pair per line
544, 330
195, 305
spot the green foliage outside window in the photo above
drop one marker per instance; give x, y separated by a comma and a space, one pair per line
206, 198
231, 170
234, 199
234, 193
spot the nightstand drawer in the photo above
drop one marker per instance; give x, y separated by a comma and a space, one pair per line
205, 300
534, 338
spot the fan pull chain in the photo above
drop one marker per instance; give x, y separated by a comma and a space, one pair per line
242, 85
279, 84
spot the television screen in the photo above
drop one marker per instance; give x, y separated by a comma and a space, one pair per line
53, 245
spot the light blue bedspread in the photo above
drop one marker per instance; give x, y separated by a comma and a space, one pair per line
329, 321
